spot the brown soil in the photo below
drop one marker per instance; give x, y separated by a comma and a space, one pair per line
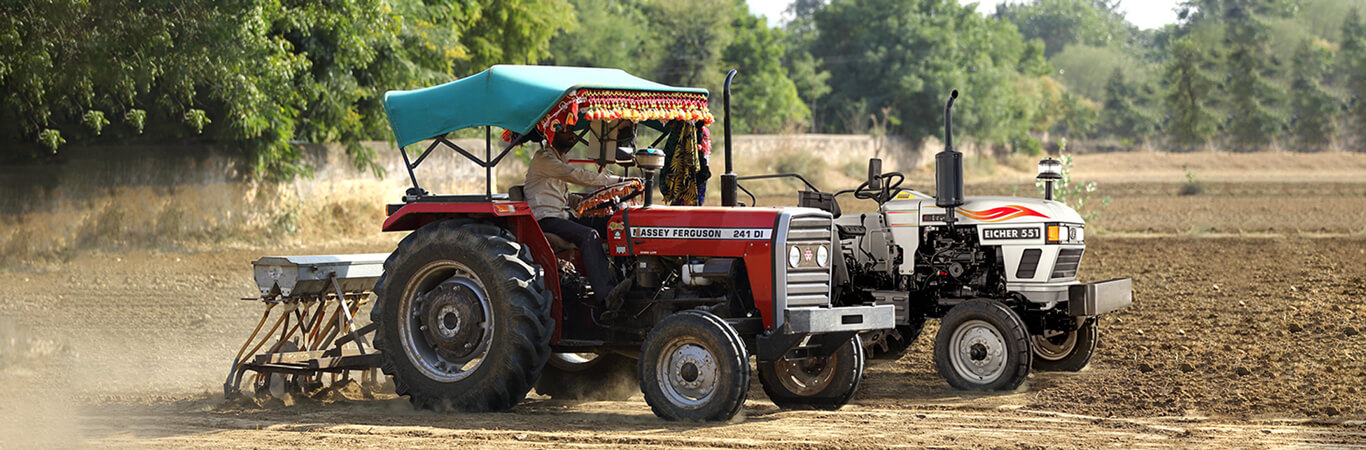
1231, 341
1248, 329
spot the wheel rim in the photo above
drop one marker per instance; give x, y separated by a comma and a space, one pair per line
1056, 347
978, 351
446, 321
687, 373
805, 377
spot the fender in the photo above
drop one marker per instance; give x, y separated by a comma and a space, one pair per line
515, 216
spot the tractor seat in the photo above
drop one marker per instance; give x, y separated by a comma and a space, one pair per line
557, 244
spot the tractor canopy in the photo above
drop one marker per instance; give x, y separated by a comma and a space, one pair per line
523, 98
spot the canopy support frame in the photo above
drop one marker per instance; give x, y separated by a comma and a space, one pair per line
487, 162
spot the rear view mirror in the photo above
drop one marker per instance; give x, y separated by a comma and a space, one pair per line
875, 174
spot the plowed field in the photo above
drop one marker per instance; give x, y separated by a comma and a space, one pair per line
1231, 341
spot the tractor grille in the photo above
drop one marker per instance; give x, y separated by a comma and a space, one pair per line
1029, 263
1068, 260
807, 284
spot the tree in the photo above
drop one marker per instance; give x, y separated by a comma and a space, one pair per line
251, 75
1313, 106
692, 36
1122, 116
1059, 23
610, 33
910, 54
1190, 123
1252, 125
1352, 69
765, 100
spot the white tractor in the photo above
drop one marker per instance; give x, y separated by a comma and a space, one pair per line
999, 272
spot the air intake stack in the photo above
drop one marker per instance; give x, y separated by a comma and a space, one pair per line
948, 168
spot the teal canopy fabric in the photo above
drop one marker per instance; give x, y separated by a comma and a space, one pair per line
508, 97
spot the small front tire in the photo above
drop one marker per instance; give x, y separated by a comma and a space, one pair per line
825, 382
694, 367
982, 345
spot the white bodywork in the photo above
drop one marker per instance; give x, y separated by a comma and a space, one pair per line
1003, 222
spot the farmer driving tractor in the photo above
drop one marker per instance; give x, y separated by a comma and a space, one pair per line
547, 192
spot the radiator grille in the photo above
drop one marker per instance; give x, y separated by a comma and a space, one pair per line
807, 286
1029, 263
1068, 260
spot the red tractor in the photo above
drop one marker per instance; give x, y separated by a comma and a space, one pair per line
477, 305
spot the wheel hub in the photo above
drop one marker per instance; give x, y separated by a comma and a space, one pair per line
448, 324
978, 351
690, 374
453, 319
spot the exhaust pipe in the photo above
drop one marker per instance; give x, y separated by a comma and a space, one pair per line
730, 182
948, 170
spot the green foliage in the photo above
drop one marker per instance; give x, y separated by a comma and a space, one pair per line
51, 139
137, 118
253, 74
1314, 107
1085, 70
1252, 124
1060, 23
95, 120
910, 54
609, 33
692, 36
766, 100
1352, 69
1123, 116
1190, 122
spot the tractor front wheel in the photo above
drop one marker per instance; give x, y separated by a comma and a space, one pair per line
463, 318
982, 346
817, 382
694, 367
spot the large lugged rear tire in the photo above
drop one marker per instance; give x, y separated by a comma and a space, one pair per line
573, 376
1068, 352
827, 382
694, 367
463, 318
982, 346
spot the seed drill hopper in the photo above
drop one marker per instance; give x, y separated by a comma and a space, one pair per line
313, 301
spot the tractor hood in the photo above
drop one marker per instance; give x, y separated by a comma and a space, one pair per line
979, 210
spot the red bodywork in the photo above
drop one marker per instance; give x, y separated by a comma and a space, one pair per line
744, 233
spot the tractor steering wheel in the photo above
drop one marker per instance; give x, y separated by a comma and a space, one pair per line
607, 200
891, 188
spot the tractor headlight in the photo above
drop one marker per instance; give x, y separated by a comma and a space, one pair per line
822, 256
794, 256
1081, 234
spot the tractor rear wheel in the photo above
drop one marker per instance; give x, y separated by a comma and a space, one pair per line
694, 367
588, 376
982, 346
818, 382
1067, 352
463, 318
